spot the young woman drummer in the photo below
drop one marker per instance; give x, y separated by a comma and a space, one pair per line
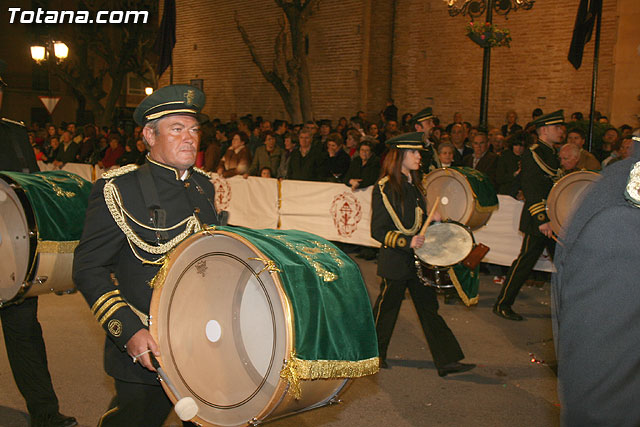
398, 213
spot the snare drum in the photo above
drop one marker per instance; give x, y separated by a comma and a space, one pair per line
466, 195
446, 244
565, 196
258, 324
41, 219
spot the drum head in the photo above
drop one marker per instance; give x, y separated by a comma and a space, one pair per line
456, 195
14, 242
565, 197
223, 330
445, 244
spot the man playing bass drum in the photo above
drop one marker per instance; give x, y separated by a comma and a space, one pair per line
398, 213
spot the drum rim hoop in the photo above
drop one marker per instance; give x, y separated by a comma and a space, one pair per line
32, 231
282, 385
462, 179
553, 197
450, 221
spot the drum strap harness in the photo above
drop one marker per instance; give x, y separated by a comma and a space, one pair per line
120, 215
394, 217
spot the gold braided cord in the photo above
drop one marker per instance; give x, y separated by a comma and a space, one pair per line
203, 172
50, 246
120, 214
545, 168
394, 217
297, 370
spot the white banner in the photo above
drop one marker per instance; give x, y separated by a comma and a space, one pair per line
332, 211
82, 170
335, 212
251, 202
502, 236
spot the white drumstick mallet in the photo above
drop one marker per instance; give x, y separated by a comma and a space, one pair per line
186, 408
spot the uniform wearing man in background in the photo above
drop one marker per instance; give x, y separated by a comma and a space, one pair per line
539, 170
596, 308
22, 332
136, 215
422, 121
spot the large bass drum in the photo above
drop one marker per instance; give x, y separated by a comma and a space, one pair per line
565, 197
227, 329
41, 218
458, 200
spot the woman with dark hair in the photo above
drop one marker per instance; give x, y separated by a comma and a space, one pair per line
398, 214
237, 159
364, 169
88, 145
405, 122
337, 159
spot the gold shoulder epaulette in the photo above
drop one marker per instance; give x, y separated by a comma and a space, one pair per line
203, 172
4, 119
119, 171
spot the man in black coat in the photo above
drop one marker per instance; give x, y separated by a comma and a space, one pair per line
136, 215
482, 159
307, 162
539, 171
422, 121
596, 304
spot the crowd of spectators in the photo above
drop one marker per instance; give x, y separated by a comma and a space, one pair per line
348, 151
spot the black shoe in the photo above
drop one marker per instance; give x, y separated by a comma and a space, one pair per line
383, 364
454, 368
506, 313
53, 420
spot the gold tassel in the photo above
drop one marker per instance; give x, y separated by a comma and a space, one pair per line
161, 275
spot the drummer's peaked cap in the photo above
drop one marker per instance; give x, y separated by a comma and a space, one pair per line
407, 141
175, 99
422, 115
555, 118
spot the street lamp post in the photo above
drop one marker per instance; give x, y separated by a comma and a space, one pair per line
475, 9
52, 52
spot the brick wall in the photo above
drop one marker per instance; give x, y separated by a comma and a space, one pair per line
351, 43
435, 64
211, 49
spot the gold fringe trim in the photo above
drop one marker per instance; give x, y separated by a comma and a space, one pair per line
203, 172
119, 171
161, 275
50, 246
463, 296
297, 370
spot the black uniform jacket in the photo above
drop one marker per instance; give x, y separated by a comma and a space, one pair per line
539, 170
395, 259
104, 249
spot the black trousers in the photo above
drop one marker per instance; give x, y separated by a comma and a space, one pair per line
137, 405
28, 356
442, 343
532, 248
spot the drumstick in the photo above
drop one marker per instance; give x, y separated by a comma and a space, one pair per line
186, 408
553, 236
433, 211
